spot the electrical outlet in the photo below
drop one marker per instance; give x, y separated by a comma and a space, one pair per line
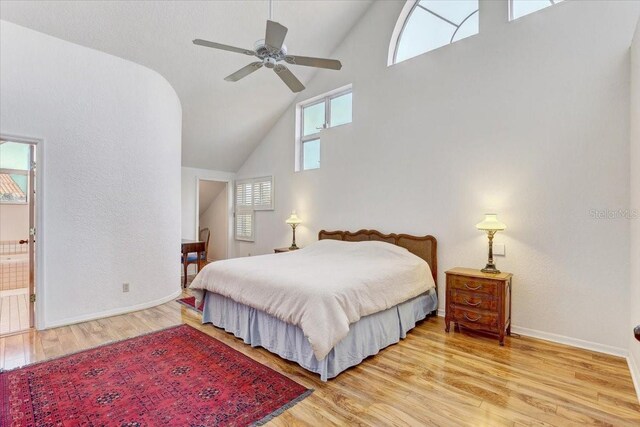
125, 287
499, 249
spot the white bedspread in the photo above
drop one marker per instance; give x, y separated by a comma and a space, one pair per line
322, 288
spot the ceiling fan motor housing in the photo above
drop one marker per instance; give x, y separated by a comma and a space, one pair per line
269, 62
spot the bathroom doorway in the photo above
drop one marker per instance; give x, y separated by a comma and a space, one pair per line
17, 235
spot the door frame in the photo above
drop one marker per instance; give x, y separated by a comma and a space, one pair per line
40, 291
228, 183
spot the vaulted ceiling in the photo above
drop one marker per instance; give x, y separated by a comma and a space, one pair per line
222, 121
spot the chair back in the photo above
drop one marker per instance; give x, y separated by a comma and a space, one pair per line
205, 234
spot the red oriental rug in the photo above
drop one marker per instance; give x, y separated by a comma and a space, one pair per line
191, 303
175, 377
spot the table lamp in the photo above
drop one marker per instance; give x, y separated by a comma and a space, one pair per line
293, 221
491, 225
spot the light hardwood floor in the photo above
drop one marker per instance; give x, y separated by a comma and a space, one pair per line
430, 378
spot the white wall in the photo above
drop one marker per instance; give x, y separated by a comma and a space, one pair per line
216, 218
14, 221
190, 214
634, 356
528, 119
110, 169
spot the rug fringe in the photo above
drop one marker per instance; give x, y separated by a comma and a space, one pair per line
283, 408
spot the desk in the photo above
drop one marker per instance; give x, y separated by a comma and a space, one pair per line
192, 246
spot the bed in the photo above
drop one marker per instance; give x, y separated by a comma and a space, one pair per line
327, 306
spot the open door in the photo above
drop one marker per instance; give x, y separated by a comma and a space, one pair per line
32, 234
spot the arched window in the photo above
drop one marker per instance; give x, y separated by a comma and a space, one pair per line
519, 8
426, 25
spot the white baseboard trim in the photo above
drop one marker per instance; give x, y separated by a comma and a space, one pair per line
113, 312
573, 342
561, 339
634, 367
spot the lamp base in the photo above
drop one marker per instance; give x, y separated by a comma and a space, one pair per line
491, 269
293, 247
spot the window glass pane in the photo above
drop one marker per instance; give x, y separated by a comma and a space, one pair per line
313, 118
423, 32
311, 154
14, 156
435, 23
453, 10
468, 28
341, 110
521, 8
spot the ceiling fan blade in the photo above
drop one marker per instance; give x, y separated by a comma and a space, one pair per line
244, 72
331, 64
275, 34
288, 78
221, 46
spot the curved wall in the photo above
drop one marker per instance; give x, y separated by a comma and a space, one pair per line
110, 163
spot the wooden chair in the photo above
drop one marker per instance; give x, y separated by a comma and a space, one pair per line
192, 258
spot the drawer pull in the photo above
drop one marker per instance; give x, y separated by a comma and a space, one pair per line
470, 319
466, 285
467, 302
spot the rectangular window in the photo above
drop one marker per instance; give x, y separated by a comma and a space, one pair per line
325, 111
14, 172
252, 195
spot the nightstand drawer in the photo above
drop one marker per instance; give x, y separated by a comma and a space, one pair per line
472, 284
471, 316
473, 300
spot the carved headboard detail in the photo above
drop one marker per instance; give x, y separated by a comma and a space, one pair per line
423, 246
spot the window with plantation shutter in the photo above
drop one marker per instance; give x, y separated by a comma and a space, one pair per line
252, 195
244, 226
263, 194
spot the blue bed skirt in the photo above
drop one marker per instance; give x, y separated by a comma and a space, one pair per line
366, 337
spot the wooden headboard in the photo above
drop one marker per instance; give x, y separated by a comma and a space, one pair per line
423, 246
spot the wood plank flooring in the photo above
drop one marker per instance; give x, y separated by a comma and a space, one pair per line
431, 378
14, 311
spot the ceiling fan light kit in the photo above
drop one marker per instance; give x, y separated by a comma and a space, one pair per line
271, 51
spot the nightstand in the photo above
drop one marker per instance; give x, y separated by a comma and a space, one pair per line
479, 301
281, 250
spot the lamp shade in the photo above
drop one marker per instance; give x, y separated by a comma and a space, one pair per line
491, 223
293, 219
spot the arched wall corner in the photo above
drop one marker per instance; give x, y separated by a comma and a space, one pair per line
110, 174
397, 30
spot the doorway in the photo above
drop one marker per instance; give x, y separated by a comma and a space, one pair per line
17, 235
212, 212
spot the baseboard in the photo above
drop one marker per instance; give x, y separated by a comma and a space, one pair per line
573, 342
634, 367
561, 339
113, 312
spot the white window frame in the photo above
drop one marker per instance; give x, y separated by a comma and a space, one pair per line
403, 19
301, 139
252, 207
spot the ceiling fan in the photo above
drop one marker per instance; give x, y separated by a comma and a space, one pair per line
270, 52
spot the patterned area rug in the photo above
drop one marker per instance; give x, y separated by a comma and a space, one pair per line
191, 303
175, 377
